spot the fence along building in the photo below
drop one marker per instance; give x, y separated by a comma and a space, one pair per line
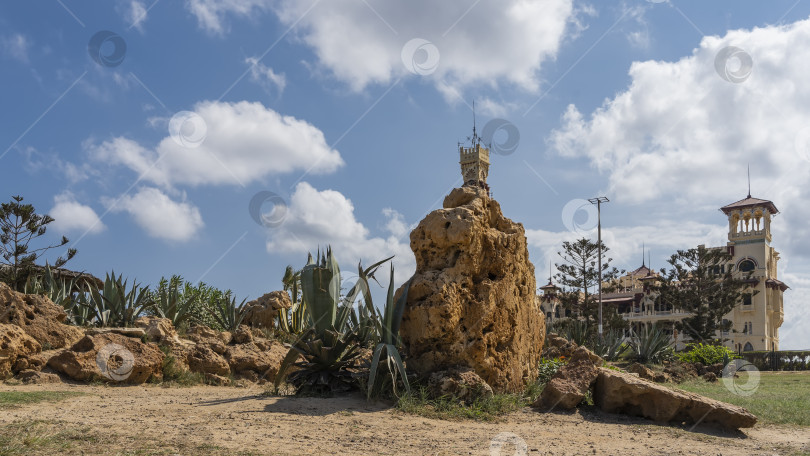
754, 323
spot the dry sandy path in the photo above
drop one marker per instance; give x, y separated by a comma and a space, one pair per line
222, 420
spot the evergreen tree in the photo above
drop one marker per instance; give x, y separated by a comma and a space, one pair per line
701, 282
19, 226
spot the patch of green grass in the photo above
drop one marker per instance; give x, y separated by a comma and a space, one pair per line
419, 402
42, 437
780, 397
11, 398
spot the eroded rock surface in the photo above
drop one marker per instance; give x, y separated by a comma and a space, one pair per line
38, 316
620, 392
15, 349
570, 384
472, 298
262, 312
460, 383
110, 356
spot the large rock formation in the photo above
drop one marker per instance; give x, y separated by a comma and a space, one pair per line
110, 356
15, 348
38, 317
472, 299
620, 392
262, 312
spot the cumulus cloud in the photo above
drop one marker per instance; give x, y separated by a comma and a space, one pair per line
224, 143
326, 217
70, 215
135, 14
682, 132
361, 43
158, 215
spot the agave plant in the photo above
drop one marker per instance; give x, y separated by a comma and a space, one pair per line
169, 301
576, 331
227, 313
389, 340
293, 320
364, 318
610, 346
60, 292
651, 345
116, 305
329, 344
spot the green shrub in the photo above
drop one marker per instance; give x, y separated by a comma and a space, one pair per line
650, 346
706, 354
549, 367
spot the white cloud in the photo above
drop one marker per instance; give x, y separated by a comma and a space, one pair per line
135, 14
159, 215
211, 14
70, 215
318, 218
681, 133
478, 42
240, 143
793, 334
16, 46
265, 76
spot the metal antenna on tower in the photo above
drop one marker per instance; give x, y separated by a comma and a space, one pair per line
475, 135
749, 180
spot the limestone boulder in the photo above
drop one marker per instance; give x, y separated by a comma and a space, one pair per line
39, 317
568, 387
620, 392
16, 347
242, 335
642, 371
250, 357
35, 377
158, 329
471, 300
206, 361
113, 357
204, 334
461, 383
262, 312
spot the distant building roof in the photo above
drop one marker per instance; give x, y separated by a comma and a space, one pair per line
750, 202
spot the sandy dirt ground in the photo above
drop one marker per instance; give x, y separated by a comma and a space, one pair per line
224, 420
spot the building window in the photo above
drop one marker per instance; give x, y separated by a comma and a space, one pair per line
748, 347
747, 265
747, 301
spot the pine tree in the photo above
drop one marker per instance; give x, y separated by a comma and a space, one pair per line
19, 226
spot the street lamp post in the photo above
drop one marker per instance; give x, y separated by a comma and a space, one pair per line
598, 201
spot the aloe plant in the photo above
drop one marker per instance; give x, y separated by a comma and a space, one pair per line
169, 301
389, 340
227, 313
61, 292
116, 305
610, 346
651, 345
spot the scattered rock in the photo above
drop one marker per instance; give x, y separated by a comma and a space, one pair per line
217, 380
471, 300
110, 356
206, 335
128, 332
262, 312
15, 349
643, 371
158, 329
710, 377
204, 360
568, 386
38, 317
620, 392
242, 335
460, 383
681, 372
35, 377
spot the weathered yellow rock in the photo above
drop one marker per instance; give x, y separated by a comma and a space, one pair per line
472, 299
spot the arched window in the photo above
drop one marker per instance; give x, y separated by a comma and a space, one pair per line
748, 347
747, 265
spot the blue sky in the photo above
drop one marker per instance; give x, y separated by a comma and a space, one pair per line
147, 127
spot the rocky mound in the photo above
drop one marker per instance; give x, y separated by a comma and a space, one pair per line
471, 300
38, 317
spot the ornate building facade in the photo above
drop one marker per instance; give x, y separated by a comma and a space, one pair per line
755, 321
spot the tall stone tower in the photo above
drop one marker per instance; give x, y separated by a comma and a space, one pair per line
474, 163
756, 322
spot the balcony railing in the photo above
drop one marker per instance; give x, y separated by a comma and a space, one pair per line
654, 313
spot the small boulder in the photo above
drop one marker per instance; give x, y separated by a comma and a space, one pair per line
242, 335
710, 377
204, 334
620, 392
158, 329
249, 357
204, 360
570, 384
110, 356
38, 316
460, 383
16, 347
35, 377
643, 371
262, 312
217, 380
